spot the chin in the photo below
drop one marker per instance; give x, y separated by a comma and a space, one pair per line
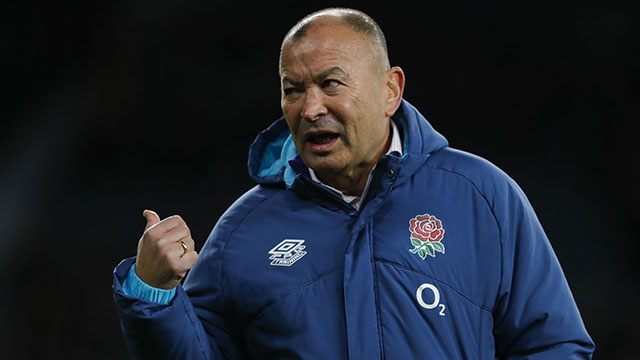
323, 164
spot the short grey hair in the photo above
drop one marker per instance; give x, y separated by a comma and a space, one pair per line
354, 19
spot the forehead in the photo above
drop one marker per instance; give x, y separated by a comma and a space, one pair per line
325, 45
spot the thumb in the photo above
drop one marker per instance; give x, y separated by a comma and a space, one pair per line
152, 218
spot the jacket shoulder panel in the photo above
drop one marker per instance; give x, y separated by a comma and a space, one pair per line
486, 177
236, 214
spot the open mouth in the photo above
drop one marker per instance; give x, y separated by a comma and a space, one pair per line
321, 138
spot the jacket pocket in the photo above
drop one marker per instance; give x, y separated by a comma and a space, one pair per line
424, 317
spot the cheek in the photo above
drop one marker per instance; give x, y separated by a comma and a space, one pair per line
354, 102
350, 110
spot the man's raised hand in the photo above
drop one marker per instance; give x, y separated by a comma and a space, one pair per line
162, 259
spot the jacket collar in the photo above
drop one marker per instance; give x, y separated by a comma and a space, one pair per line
273, 158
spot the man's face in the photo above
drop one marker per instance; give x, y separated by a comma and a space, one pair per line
333, 99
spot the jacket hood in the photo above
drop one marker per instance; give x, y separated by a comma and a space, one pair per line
273, 157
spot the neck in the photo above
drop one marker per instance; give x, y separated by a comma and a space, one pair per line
348, 184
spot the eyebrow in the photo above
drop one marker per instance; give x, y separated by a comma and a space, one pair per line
332, 71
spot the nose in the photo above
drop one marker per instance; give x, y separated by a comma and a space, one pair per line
313, 107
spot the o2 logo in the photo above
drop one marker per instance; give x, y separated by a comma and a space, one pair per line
436, 298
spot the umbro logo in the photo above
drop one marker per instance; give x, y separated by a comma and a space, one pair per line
287, 252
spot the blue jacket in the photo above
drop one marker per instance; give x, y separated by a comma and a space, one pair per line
444, 260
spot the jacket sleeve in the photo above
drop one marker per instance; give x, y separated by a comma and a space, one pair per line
159, 331
535, 316
198, 323
135, 287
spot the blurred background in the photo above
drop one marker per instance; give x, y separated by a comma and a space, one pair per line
111, 108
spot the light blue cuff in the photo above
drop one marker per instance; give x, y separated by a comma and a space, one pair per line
135, 287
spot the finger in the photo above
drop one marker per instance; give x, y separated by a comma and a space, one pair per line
152, 218
188, 260
176, 234
191, 244
188, 243
175, 251
168, 224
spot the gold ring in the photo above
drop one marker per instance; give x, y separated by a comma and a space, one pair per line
184, 246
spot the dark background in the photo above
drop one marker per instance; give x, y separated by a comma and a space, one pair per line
110, 109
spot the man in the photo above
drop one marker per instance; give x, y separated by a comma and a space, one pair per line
367, 236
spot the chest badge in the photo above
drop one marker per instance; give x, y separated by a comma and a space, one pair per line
287, 252
426, 235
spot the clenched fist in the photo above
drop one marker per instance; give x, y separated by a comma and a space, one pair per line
162, 259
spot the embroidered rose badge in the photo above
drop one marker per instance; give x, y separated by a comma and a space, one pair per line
426, 235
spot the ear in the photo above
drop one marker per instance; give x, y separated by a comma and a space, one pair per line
394, 89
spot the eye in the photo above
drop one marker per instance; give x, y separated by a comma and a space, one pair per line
330, 83
291, 90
